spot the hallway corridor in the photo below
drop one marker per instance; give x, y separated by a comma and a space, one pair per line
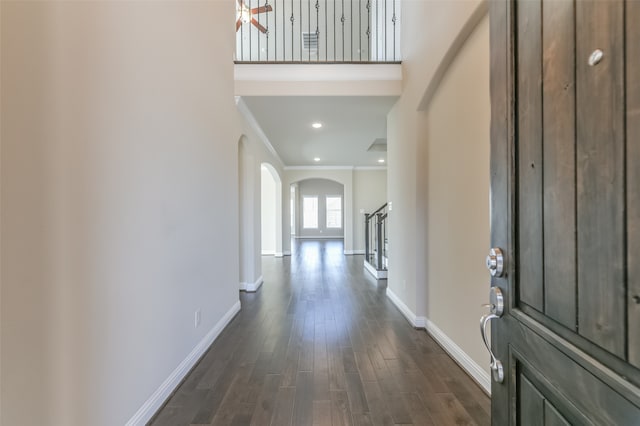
321, 344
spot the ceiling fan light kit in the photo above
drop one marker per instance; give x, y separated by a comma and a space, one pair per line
244, 15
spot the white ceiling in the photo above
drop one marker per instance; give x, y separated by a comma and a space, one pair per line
350, 126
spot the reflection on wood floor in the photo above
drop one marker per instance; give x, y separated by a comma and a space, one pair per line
320, 344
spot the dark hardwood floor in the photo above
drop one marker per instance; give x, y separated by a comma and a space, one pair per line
321, 344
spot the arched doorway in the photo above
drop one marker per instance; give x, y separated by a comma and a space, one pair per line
270, 210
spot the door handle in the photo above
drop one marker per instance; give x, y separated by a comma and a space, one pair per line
497, 308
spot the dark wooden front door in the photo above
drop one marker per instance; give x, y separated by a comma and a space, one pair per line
565, 188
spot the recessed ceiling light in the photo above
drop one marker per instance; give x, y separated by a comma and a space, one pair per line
381, 160
316, 125
316, 159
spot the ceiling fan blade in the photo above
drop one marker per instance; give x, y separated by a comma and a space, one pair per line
262, 9
238, 24
258, 26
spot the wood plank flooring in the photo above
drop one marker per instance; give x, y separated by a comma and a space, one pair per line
321, 344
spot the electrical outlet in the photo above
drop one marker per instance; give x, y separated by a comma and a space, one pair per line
197, 318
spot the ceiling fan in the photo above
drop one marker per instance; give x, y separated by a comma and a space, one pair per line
245, 15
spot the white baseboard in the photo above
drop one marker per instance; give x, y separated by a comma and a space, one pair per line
461, 358
279, 254
320, 237
268, 252
287, 252
415, 321
351, 252
155, 401
379, 275
470, 366
252, 287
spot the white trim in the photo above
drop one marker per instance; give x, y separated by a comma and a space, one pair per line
157, 399
414, 320
318, 237
482, 9
318, 167
358, 252
348, 252
287, 253
252, 287
376, 168
268, 253
278, 254
480, 375
322, 72
460, 357
379, 275
244, 109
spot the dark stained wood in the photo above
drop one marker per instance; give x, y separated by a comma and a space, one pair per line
266, 403
502, 183
601, 396
576, 347
283, 413
633, 178
340, 411
282, 360
600, 180
530, 167
558, 95
552, 417
531, 404
303, 405
321, 413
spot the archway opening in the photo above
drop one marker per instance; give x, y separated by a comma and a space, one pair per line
270, 211
318, 209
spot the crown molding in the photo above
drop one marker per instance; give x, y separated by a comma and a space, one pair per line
319, 168
246, 113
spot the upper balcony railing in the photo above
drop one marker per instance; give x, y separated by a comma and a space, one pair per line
317, 31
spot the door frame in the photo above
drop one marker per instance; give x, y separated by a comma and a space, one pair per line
501, 176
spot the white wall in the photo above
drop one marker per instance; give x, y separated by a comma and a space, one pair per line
458, 212
268, 211
250, 222
118, 141
438, 172
320, 188
369, 194
254, 153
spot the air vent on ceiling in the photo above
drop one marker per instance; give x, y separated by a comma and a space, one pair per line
310, 41
378, 145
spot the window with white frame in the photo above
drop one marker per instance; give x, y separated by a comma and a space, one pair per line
334, 212
310, 212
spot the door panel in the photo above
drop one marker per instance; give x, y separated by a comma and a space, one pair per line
580, 395
633, 179
535, 409
552, 417
600, 177
531, 402
565, 202
558, 95
530, 152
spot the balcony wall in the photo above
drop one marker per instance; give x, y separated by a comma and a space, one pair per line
346, 30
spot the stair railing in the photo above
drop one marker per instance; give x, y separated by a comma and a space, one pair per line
376, 237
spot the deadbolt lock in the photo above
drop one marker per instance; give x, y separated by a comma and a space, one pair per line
495, 262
